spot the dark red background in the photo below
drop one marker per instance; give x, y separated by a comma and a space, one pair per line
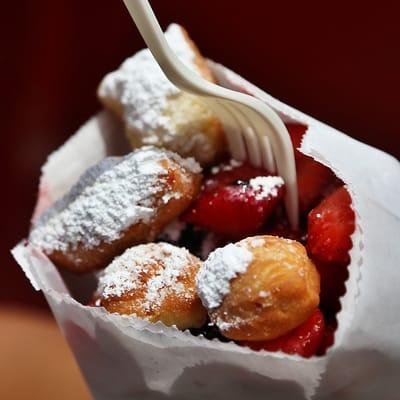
338, 61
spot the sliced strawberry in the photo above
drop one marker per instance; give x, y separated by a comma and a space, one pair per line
296, 133
328, 338
233, 211
313, 178
329, 228
231, 204
303, 340
233, 172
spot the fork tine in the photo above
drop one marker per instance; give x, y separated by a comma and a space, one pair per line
253, 147
283, 151
263, 133
231, 127
259, 138
249, 136
267, 155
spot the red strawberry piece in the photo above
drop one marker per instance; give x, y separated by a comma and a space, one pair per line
312, 177
226, 174
303, 340
330, 225
234, 211
296, 133
280, 227
328, 338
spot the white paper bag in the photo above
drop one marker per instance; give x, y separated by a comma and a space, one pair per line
126, 358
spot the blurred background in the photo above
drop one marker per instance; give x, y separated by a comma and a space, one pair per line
337, 61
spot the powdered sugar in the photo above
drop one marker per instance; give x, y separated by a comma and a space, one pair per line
264, 294
234, 322
229, 167
256, 242
268, 185
107, 199
174, 261
222, 265
169, 196
188, 163
164, 263
143, 90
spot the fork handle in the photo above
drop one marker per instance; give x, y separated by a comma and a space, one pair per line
181, 76
148, 26
145, 20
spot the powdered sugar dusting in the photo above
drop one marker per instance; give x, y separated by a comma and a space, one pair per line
222, 265
256, 242
267, 185
228, 167
107, 199
188, 163
143, 90
264, 293
169, 196
234, 322
164, 263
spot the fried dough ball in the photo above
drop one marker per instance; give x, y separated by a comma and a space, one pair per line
259, 288
154, 281
116, 204
155, 112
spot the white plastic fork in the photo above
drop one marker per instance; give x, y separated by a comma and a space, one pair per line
253, 130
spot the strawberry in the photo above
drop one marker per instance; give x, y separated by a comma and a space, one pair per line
330, 225
313, 178
303, 340
226, 174
233, 211
296, 133
231, 204
328, 338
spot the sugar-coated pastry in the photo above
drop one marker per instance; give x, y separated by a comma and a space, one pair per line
156, 112
259, 288
116, 204
154, 281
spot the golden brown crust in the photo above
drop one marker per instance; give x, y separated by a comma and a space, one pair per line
181, 308
179, 182
278, 292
